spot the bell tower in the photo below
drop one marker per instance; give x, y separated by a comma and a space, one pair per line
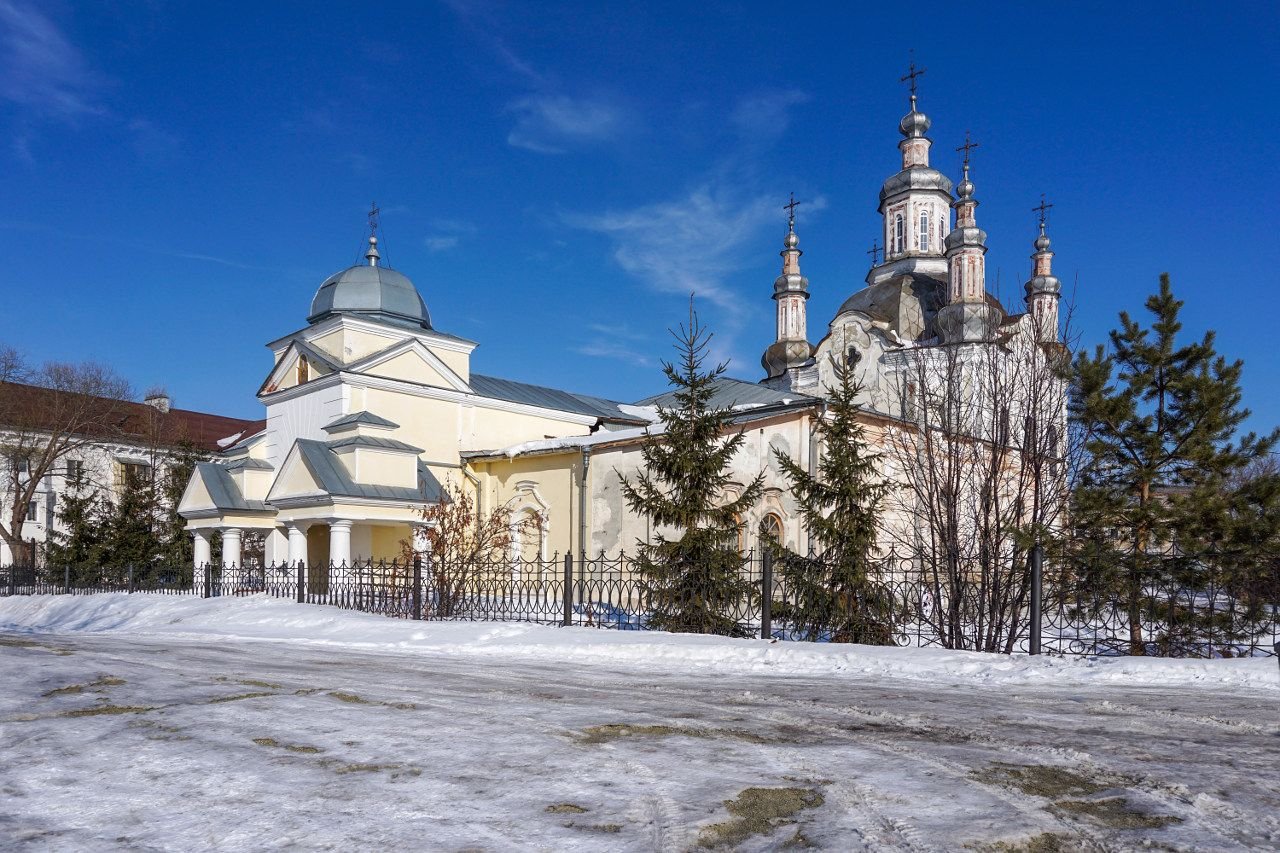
914, 203
791, 351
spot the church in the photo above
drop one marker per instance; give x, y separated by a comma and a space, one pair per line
370, 407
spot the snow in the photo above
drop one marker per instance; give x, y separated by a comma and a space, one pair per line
261, 617
177, 723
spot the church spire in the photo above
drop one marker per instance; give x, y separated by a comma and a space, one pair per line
791, 348
914, 203
967, 316
914, 125
1044, 288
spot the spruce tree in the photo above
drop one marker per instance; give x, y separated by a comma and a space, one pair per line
76, 543
830, 594
693, 577
129, 535
1155, 414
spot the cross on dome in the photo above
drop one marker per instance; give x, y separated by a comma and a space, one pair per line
912, 74
967, 148
1043, 210
790, 208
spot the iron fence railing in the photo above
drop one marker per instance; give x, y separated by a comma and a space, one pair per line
898, 602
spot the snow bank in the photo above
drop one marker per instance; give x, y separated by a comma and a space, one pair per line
263, 618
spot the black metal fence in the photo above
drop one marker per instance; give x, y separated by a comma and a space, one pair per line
902, 605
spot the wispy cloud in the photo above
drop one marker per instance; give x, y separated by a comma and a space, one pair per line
40, 69
604, 348
481, 20
764, 116
446, 234
619, 342
694, 244
553, 124
701, 239
689, 244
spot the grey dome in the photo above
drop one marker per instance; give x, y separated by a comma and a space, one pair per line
914, 124
907, 303
915, 179
376, 292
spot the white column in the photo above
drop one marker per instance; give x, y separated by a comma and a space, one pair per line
297, 544
201, 558
340, 543
231, 547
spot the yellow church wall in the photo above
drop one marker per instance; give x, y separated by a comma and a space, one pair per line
426, 423
458, 362
384, 469
528, 482
442, 428
386, 541
411, 367
490, 429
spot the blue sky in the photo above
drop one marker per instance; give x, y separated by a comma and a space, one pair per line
556, 178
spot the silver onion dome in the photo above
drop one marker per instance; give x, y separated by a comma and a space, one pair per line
915, 123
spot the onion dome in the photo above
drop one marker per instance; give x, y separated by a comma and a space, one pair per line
915, 123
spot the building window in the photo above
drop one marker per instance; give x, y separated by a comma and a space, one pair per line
75, 470
771, 528
899, 233
33, 509
133, 474
924, 231
942, 231
742, 534
304, 371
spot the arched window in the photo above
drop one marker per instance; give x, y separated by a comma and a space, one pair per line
742, 534
942, 231
924, 231
899, 233
304, 371
771, 528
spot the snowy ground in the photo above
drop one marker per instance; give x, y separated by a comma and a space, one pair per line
182, 724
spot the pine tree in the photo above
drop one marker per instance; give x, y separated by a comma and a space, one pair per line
830, 595
694, 581
1155, 414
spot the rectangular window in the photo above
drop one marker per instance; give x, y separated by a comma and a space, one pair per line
75, 470
134, 473
33, 509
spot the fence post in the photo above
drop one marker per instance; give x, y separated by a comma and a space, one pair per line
566, 619
131, 578
1037, 615
417, 587
207, 592
66, 578
766, 595
13, 578
300, 578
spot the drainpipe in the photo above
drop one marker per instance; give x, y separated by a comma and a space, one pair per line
582, 504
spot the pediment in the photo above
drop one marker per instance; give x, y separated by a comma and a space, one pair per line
410, 361
297, 365
295, 480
